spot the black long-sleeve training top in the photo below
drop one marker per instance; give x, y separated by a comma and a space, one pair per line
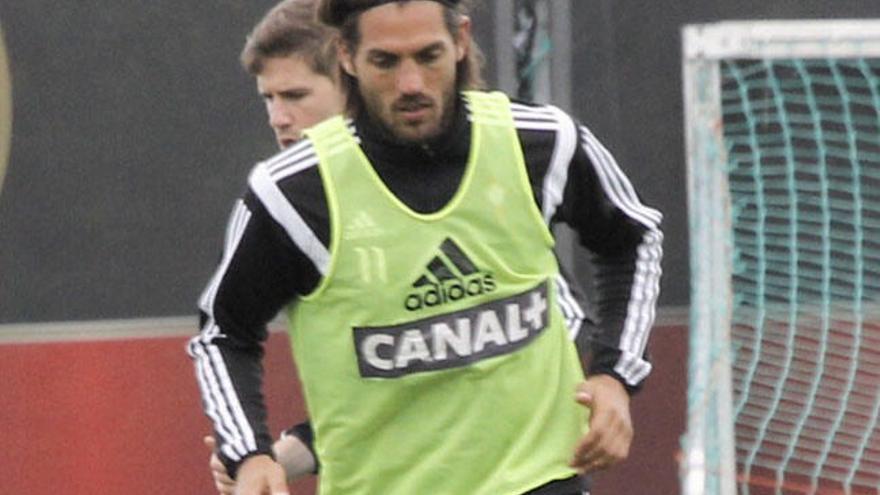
275, 230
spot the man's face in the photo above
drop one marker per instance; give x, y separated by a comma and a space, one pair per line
405, 65
296, 97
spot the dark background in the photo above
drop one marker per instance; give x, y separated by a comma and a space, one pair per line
134, 129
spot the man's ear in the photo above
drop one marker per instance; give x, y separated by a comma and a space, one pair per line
463, 42
345, 57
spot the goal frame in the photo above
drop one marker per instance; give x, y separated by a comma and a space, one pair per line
708, 464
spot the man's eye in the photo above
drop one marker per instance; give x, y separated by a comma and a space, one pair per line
384, 62
429, 57
294, 95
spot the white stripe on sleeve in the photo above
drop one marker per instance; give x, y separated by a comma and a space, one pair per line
215, 403
286, 215
615, 183
571, 310
221, 401
646, 280
641, 311
557, 173
238, 221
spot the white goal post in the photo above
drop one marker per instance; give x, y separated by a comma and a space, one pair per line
782, 126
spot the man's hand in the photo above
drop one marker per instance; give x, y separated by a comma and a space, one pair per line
291, 452
225, 485
611, 429
260, 475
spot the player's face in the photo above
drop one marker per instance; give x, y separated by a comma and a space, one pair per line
405, 65
296, 97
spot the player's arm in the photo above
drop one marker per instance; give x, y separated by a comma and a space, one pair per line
258, 274
624, 239
293, 451
575, 181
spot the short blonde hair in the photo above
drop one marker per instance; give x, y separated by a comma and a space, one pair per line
291, 28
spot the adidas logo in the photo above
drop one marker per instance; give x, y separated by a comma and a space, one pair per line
361, 226
451, 276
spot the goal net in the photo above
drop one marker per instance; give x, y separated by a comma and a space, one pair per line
783, 140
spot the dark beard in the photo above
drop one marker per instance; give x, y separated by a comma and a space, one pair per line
387, 133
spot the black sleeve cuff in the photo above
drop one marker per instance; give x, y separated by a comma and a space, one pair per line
303, 431
601, 360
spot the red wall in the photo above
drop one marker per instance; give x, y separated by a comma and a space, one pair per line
125, 417
659, 412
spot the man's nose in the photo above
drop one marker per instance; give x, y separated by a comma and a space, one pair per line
279, 116
410, 78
